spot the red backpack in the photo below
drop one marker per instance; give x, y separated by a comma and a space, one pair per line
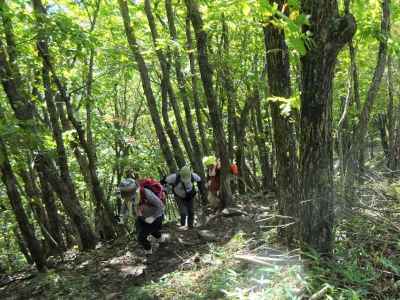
154, 186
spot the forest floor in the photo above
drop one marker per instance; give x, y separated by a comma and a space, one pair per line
225, 258
236, 255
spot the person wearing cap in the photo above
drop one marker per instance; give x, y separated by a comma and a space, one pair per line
128, 189
184, 190
149, 210
213, 167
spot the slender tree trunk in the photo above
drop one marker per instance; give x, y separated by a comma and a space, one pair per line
330, 33
24, 111
65, 123
278, 71
89, 106
229, 89
103, 209
196, 99
361, 129
178, 153
9, 180
52, 211
144, 74
89, 81
165, 69
184, 95
22, 247
207, 78
251, 100
33, 193
382, 125
390, 116
356, 81
261, 141
72, 206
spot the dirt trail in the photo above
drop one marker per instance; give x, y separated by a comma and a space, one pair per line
110, 270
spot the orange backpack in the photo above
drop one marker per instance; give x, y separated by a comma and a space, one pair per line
234, 169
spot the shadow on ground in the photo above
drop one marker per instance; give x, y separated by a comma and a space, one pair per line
114, 268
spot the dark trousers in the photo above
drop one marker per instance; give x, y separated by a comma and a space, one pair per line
144, 229
186, 210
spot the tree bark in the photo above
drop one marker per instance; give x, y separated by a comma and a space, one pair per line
251, 101
229, 89
22, 247
10, 75
73, 209
23, 108
391, 122
51, 210
184, 95
207, 79
165, 69
144, 74
287, 176
330, 33
33, 193
360, 131
9, 180
196, 99
178, 153
261, 141
103, 209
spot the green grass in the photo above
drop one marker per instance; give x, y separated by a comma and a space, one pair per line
225, 278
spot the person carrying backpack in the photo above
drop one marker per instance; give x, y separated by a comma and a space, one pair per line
213, 171
126, 201
149, 197
184, 190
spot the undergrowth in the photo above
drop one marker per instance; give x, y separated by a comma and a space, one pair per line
221, 276
366, 261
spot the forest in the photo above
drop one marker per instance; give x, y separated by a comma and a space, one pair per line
272, 127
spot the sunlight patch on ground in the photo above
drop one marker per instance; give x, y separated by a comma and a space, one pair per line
224, 274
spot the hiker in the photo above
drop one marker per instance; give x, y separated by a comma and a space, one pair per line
149, 197
213, 169
184, 190
127, 191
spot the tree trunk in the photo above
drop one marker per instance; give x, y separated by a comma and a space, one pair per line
278, 71
165, 69
330, 33
261, 141
178, 153
251, 100
390, 116
103, 209
52, 212
33, 194
9, 72
229, 89
207, 78
65, 123
382, 126
22, 247
196, 99
23, 108
71, 205
184, 95
9, 180
361, 129
144, 74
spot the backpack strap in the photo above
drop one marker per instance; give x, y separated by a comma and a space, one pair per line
177, 179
